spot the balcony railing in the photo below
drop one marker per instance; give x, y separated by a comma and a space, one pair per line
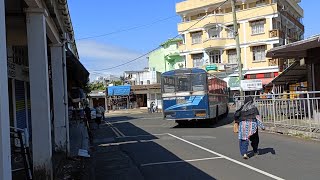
274, 33
273, 62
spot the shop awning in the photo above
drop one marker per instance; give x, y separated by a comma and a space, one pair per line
293, 74
76, 71
295, 50
119, 90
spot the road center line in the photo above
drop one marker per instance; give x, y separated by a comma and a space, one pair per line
180, 161
228, 158
115, 130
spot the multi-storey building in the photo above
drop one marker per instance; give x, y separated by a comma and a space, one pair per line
208, 37
146, 86
167, 57
144, 77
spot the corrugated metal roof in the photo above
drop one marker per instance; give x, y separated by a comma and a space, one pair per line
119, 90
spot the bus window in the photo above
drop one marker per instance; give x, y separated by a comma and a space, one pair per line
198, 82
183, 83
168, 84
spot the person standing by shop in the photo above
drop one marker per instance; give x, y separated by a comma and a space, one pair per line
248, 120
98, 115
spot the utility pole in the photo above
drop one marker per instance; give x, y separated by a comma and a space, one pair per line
236, 36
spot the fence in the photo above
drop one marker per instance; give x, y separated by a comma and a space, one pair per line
298, 111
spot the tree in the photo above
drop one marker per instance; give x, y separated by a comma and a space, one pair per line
96, 86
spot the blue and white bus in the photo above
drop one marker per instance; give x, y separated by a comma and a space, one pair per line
190, 94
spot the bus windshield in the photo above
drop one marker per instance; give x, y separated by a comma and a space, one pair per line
168, 84
184, 82
198, 82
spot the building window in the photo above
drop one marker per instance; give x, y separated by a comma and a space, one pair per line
257, 27
148, 81
152, 96
232, 56
196, 37
141, 82
197, 60
238, 7
260, 3
259, 53
214, 32
183, 39
215, 56
230, 31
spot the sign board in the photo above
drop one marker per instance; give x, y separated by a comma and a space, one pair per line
234, 83
251, 85
212, 67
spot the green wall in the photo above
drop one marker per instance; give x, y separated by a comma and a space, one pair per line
167, 57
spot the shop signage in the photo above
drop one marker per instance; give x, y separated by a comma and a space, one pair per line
251, 85
212, 67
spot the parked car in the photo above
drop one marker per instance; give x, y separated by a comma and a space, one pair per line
93, 113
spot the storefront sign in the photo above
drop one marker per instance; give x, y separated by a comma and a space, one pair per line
251, 85
212, 67
234, 83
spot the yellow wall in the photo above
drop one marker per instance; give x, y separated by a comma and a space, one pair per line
248, 13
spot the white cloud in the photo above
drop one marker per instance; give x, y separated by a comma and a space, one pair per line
96, 56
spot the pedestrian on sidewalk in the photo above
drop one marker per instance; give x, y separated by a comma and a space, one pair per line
248, 120
98, 115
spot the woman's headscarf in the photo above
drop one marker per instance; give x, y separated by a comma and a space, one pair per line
248, 104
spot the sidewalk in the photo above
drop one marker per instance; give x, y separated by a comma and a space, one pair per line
109, 161
126, 111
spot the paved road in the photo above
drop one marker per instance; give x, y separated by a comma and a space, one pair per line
162, 150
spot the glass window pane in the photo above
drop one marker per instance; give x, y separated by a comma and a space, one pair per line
183, 83
168, 84
199, 82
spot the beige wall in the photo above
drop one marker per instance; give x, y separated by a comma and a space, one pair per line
247, 40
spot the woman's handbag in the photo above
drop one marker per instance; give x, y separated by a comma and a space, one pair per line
235, 127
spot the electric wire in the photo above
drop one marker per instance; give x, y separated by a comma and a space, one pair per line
145, 54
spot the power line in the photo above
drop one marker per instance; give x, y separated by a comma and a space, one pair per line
128, 29
160, 45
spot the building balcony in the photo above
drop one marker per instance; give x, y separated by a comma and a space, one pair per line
211, 19
292, 19
272, 62
214, 43
275, 33
195, 4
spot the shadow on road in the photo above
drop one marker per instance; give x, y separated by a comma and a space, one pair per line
148, 155
222, 121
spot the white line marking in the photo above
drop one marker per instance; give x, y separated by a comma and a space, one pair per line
230, 159
117, 134
164, 134
115, 130
119, 131
181, 161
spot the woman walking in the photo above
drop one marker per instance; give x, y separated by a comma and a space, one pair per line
248, 120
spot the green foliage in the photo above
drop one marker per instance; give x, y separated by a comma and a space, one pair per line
96, 86
117, 83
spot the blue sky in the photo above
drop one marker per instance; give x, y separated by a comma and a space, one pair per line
96, 17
